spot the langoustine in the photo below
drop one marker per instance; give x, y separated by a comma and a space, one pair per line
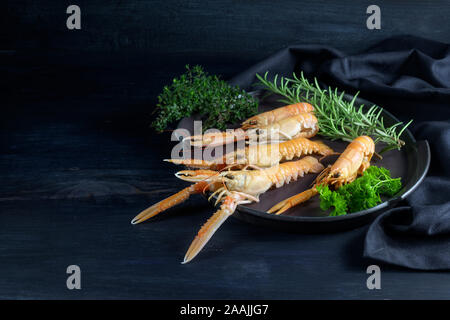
282, 124
232, 188
260, 155
351, 163
272, 116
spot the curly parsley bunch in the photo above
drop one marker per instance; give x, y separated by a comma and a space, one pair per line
363, 193
196, 91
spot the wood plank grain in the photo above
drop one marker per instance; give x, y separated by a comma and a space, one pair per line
254, 28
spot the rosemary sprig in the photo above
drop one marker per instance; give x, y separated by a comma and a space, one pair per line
338, 118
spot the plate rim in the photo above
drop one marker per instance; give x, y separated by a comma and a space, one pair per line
384, 205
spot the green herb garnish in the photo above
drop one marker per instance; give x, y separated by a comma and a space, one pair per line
361, 194
196, 91
338, 118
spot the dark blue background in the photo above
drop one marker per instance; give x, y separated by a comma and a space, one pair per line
78, 160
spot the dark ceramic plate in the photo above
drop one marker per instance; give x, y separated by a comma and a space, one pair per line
410, 163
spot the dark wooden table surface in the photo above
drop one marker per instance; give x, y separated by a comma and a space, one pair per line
78, 161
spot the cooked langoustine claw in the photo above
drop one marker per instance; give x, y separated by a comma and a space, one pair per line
300, 125
179, 197
215, 139
351, 163
266, 118
261, 155
233, 188
200, 175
